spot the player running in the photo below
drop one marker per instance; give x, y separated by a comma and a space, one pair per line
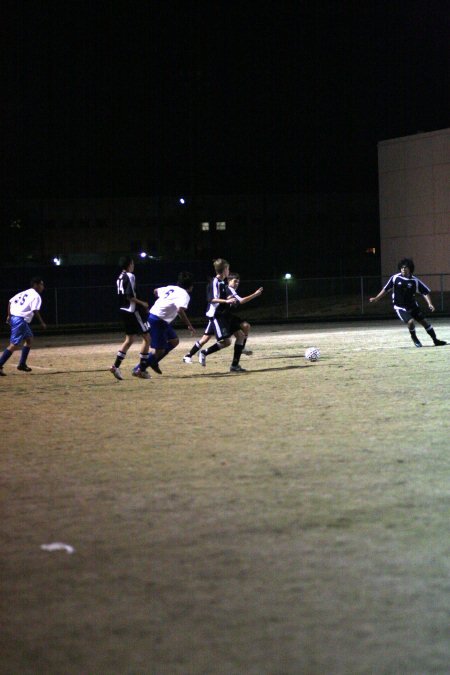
404, 287
172, 301
22, 308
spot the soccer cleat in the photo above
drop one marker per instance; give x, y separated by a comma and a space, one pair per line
24, 367
417, 343
439, 343
202, 358
116, 372
247, 352
142, 374
187, 358
1, 372
237, 369
155, 367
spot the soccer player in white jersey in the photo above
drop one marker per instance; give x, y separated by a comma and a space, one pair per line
134, 316
172, 301
404, 287
22, 308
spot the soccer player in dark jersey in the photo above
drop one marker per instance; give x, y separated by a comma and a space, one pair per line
233, 283
220, 319
404, 287
134, 314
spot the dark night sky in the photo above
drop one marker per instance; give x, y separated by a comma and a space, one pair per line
141, 97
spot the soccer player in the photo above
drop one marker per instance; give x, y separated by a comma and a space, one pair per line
22, 308
233, 283
134, 316
404, 287
172, 301
221, 318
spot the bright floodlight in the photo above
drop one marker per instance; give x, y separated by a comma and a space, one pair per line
56, 260
142, 254
288, 276
182, 200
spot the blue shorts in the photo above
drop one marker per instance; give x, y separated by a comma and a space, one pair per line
160, 332
20, 330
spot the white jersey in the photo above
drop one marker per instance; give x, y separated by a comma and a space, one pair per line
24, 304
170, 300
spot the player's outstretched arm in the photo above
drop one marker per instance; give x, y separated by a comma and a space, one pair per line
254, 295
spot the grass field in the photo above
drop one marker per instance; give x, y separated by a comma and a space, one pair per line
293, 519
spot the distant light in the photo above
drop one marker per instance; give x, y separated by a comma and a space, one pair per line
371, 250
182, 200
57, 261
288, 276
142, 254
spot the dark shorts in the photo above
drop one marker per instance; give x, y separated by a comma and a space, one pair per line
160, 332
224, 326
134, 324
406, 315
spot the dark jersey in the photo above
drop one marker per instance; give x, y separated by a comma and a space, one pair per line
126, 291
217, 288
404, 290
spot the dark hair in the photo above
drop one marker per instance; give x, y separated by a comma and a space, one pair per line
125, 261
185, 280
406, 262
36, 280
234, 275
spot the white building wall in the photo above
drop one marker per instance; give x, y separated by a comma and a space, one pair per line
414, 188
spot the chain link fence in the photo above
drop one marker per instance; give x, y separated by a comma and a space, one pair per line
315, 299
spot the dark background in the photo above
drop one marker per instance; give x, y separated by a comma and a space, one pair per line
149, 98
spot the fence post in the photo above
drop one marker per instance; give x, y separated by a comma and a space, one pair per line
56, 306
442, 292
362, 295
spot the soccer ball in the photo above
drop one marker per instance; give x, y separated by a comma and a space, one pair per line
312, 354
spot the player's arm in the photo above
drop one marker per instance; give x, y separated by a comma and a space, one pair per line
8, 316
39, 317
381, 294
384, 290
429, 303
142, 303
184, 317
254, 295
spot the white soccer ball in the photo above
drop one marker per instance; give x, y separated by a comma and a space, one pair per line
312, 354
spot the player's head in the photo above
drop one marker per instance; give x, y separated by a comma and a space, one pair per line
234, 279
406, 263
186, 280
221, 266
127, 263
37, 284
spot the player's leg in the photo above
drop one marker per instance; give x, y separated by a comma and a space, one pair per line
18, 335
222, 329
413, 334
238, 347
24, 353
143, 355
159, 334
406, 317
124, 347
198, 345
172, 341
245, 328
431, 332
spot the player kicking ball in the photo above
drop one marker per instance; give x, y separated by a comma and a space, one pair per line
404, 287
